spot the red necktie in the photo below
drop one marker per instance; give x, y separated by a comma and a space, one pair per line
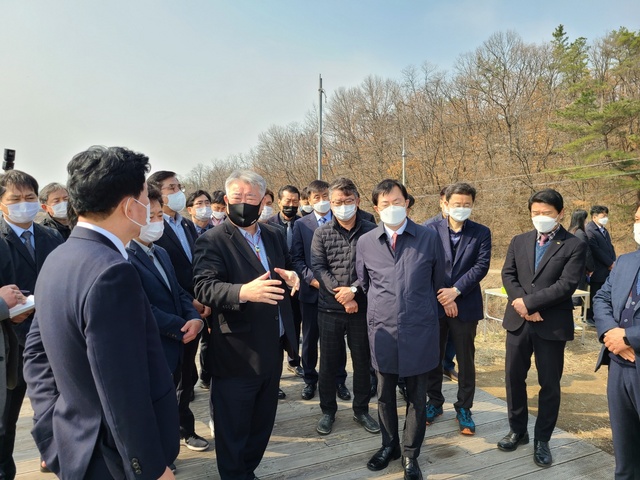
394, 237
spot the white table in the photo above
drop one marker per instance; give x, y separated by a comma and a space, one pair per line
499, 293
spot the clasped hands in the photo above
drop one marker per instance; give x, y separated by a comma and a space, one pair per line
614, 341
447, 298
266, 290
346, 298
521, 309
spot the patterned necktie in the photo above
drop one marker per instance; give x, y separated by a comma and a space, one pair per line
544, 238
322, 221
26, 238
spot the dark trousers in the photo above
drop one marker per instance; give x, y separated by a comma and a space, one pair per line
244, 411
463, 335
310, 337
593, 289
416, 413
623, 394
205, 376
549, 358
184, 381
8, 423
449, 355
297, 325
333, 327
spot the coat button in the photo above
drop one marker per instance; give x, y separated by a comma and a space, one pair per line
533, 285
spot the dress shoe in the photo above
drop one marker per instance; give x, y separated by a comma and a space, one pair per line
296, 370
367, 422
541, 453
511, 441
325, 424
382, 457
451, 375
281, 394
343, 392
309, 391
411, 469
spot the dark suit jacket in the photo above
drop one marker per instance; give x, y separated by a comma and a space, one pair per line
590, 264
434, 219
602, 250
245, 339
547, 290
301, 255
181, 263
468, 268
95, 371
26, 270
171, 307
9, 358
611, 300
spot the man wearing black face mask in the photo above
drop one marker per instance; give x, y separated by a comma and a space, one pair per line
289, 201
240, 270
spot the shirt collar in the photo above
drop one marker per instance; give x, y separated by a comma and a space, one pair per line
327, 216
144, 248
400, 231
253, 238
170, 219
106, 233
19, 230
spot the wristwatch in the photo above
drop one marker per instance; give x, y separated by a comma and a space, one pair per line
354, 289
457, 291
626, 341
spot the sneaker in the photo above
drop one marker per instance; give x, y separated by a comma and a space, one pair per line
576, 327
467, 426
195, 442
432, 413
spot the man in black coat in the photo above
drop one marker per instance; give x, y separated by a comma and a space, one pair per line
240, 269
540, 273
604, 255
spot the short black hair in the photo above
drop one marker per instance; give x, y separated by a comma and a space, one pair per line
156, 178
49, 189
443, 191
598, 209
304, 193
460, 188
412, 201
317, 186
385, 186
217, 197
270, 193
19, 179
198, 193
290, 189
578, 218
100, 177
548, 196
345, 185
154, 194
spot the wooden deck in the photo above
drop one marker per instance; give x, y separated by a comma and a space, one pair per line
296, 451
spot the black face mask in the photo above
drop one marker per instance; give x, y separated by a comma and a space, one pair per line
243, 214
289, 212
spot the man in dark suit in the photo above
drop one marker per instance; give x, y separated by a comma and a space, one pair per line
103, 401
178, 320
400, 266
540, 273
617, 315
604, 255
467, 249
240, 269
301, 255
178, 240
30, 244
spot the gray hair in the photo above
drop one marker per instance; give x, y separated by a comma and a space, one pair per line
246, 176
49, 189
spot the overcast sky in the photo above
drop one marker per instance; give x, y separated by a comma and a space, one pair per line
187, 82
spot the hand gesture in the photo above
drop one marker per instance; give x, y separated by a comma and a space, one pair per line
191, 329
534, 317
447, 295
12, 295
351, 306
291, 279
262, 290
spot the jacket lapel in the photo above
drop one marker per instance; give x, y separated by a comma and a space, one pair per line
239, 242
554, 246
11, 237
443, 231
465, 238
147, 262
174, 238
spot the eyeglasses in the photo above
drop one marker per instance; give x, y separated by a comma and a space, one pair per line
173, 188
339, 203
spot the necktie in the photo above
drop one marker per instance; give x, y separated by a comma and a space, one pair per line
544, 238
322, 221
289, 227
26, 238
394, 237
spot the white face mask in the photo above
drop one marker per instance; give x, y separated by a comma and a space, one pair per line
59, 210
636, 232
151, 231
176, 201
603, 221
203, 213
147, 207
459, 214
544, 224
267, 213
23, 212
323, 206
218, 215
345, 212
306, 208
393, 215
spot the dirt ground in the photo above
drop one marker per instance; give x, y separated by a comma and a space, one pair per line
583, 410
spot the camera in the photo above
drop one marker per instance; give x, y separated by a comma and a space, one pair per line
9, 159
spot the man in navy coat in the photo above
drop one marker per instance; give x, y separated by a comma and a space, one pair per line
101, 391
400, 266
616, 311
467, 248
604, 255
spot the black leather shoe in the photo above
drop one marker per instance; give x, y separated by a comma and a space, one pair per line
309, 391
325, 423
343, 392
382, 457
511, 441
281, 394
411, 469
542, 453
367, 422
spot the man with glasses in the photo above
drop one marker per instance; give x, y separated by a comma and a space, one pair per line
199, 207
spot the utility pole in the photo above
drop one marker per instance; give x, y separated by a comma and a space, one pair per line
404, 156
320, 93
